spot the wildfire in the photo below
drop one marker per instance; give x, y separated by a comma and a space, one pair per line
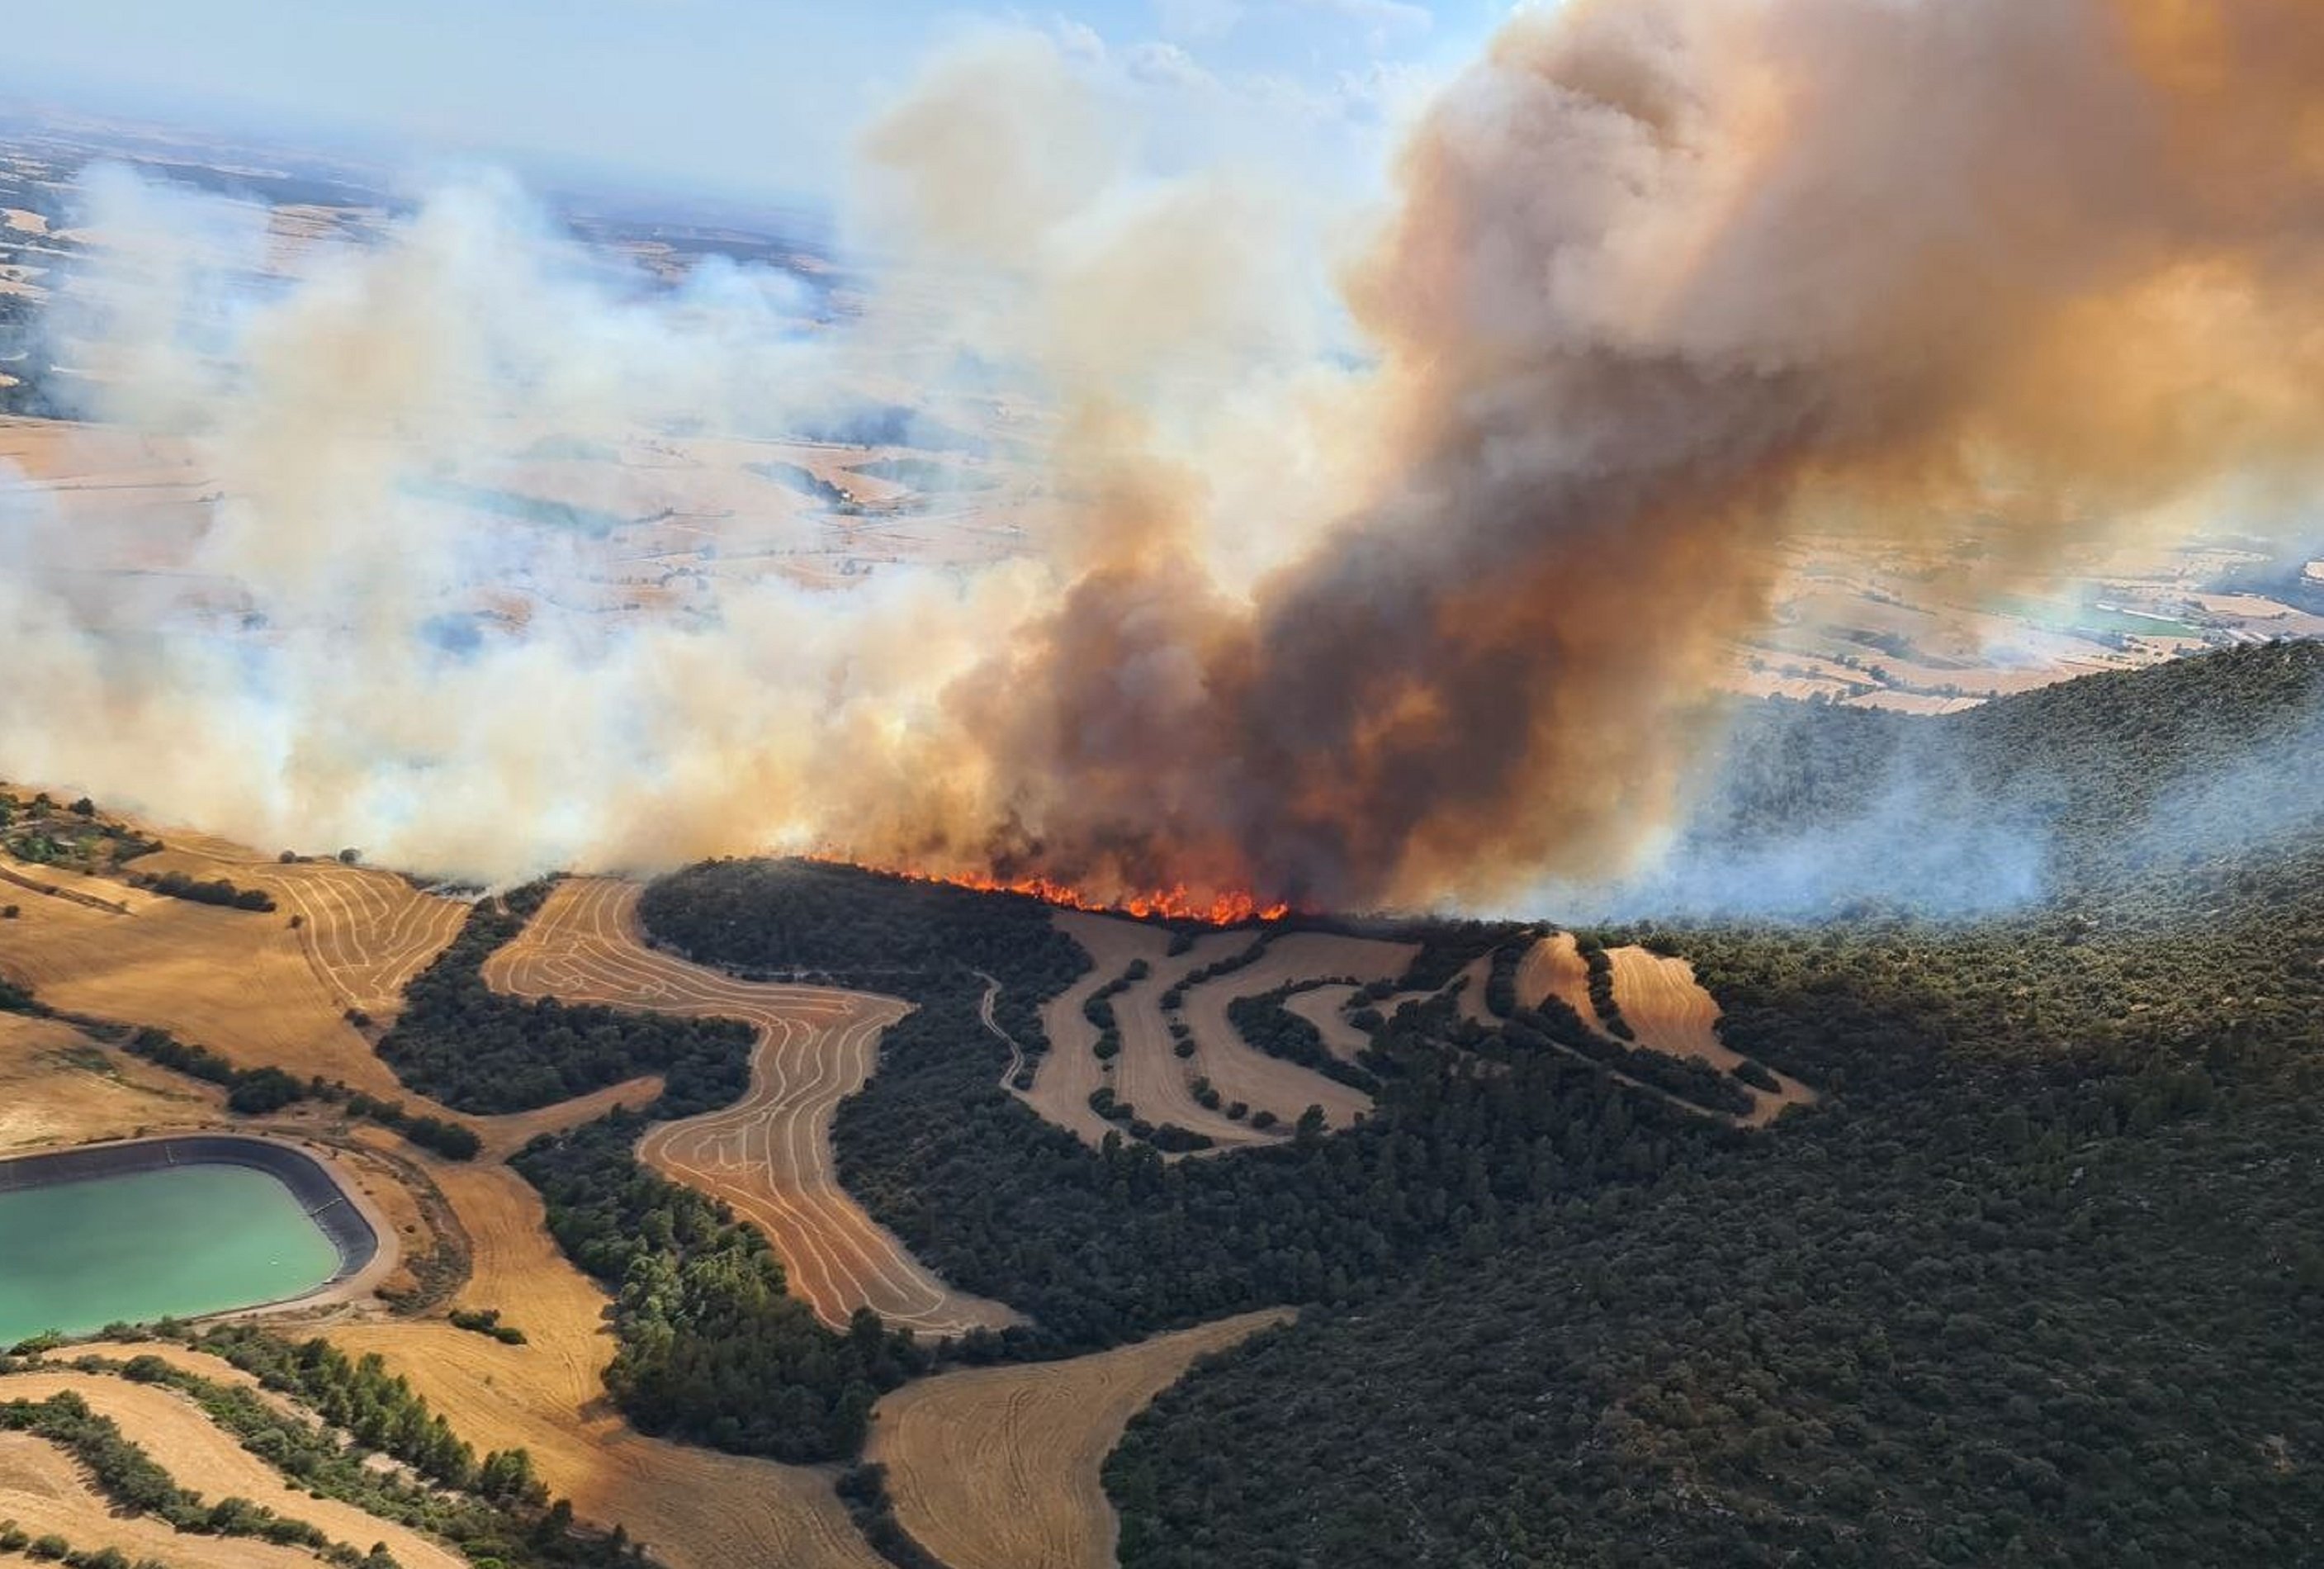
1176, 903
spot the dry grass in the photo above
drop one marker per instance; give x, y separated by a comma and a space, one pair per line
200, 1457
997, 1468
1240, 1073
504, 1136
1669, 1012
695, 1509
238, 982
58, 1087
768, 1156
366, 932
43, 1490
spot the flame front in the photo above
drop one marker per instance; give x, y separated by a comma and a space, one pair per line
1174, 903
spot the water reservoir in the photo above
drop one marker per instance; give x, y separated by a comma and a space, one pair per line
171, 1226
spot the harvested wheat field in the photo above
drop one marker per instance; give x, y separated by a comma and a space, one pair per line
43, 1490
694, 1508
1069, 1071
1661, 1001
368, 932
1148, 1075
239, 982
1327, 1008
511, 1132
1553, 967
997, 1468
769, 1156
201, 1456
1238, 1071
57, 1086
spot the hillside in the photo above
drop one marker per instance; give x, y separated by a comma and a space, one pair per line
2039, 1285
2105, 788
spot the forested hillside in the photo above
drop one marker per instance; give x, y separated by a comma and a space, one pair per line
2039, 1284
2092, 789
2036, 1282
1100, 1246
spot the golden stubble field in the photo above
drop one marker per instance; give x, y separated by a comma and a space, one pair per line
997, 1468
1665, 1005
259, 990
768, 1156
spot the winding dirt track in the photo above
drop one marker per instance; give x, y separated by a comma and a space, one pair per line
1238, 1071
768, 1156
210, 1461
997, 1468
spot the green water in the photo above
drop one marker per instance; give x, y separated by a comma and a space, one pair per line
77, 1256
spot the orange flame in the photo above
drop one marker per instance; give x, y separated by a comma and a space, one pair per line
1175, 903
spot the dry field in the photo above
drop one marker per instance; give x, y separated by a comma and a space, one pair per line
1553, 967
997, 1468
368, 932
57, 1086
1069, 1072
42, 1490
1146, 1075
1327, 1008
1240, 1073
693, 1507
769, 1156
203, 1457
1662, 1002
238, 982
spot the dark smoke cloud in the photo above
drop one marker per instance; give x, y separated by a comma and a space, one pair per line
1666, 273
1662, 278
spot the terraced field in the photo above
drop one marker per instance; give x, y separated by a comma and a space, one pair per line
368, 932
769, 1156
1240, 1073
199, 1455
1146, 1075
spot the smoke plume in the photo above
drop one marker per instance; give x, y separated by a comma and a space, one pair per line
1662, 278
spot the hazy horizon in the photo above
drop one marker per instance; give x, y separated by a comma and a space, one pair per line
712, 99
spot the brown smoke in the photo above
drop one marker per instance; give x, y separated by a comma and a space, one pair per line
1664, 274
1664, 279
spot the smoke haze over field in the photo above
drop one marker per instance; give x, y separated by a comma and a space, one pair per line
1662, 277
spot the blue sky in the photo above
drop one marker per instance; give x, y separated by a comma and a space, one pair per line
726, 95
